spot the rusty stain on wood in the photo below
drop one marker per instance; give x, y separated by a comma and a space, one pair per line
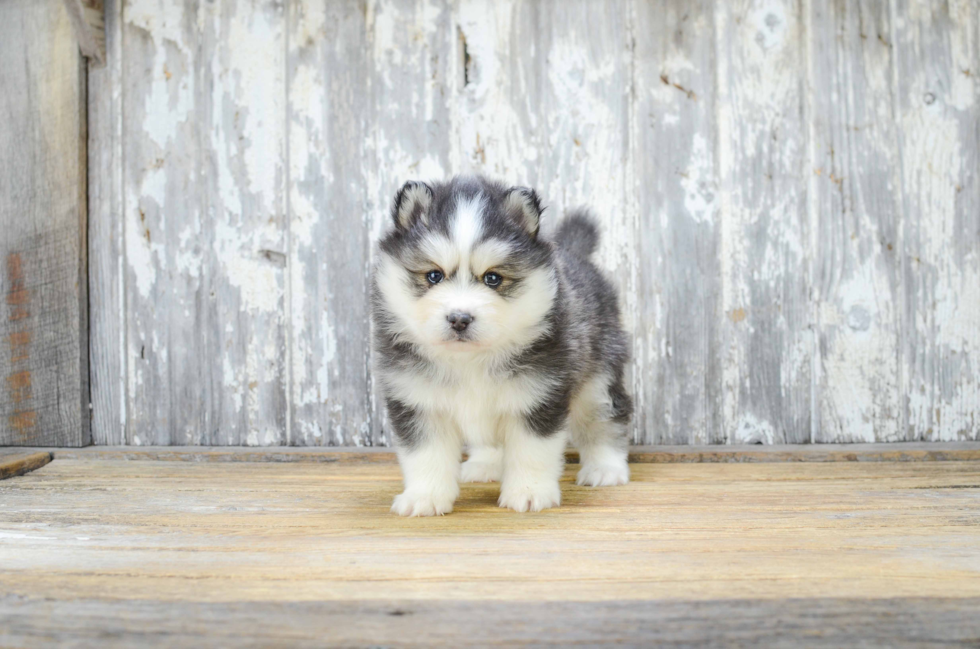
18, 296
43, 280
23, 417
23, 423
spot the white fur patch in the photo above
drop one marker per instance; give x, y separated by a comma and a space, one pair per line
431, 471
442, 252
487, 255
485, 464
468, 223
532, 466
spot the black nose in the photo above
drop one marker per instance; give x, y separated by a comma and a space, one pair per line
459, 321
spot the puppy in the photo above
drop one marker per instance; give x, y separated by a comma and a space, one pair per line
491, 335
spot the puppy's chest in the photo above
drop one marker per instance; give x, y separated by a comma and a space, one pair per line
465, 395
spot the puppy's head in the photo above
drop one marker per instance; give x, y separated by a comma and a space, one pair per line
462, 271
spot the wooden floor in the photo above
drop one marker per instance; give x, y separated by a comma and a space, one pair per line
97, 552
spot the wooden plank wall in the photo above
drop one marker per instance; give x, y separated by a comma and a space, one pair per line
43, 301
789, 191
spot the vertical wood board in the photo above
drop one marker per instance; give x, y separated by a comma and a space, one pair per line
763, 158
677, 233
44, 305
938, 110
107, 259
856, 199
204, 222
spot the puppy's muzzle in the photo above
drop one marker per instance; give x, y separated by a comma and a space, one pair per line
459, 321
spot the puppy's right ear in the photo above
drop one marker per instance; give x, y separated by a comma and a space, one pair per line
412, 203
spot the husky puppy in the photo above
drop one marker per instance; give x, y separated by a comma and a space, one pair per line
491, 335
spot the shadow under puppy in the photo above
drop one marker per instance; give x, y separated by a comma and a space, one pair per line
489, 334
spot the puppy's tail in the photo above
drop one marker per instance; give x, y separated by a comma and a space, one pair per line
578, 233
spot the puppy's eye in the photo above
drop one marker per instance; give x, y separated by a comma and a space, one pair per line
434, 276
492, 279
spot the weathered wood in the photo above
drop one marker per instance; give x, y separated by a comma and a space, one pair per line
763, 166
937, 105
244, 44
817, 622
16, 464
856, 214
750, 163
171, 346
43, 313
896, 452
677, 344
205, 222
328, 105
264, 538
106, 242
88, 24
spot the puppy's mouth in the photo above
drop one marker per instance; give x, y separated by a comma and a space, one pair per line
460, 339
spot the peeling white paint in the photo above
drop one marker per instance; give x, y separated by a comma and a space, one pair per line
246, 183
698, 182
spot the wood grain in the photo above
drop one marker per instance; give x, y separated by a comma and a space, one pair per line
937, 103
762, 156
15, 464
818, 622
856, 206
205, 223
678, 321
106, 241
786, 190
280, 542
43, 281
244, 45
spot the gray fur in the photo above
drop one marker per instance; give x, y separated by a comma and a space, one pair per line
577, 234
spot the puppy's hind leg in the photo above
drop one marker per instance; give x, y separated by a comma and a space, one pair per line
599, 415
485, 464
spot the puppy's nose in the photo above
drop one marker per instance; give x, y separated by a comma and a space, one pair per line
459, 321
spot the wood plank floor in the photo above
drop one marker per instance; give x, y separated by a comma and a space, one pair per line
113, 553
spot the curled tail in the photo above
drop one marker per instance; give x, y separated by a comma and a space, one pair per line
577, 234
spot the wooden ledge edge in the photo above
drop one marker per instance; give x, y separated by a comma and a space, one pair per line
20, 463
891, 452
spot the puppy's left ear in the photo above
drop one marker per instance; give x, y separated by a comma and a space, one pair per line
523, 205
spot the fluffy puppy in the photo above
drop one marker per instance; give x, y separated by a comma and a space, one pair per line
491, 335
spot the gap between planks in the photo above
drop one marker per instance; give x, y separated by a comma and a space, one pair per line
893, 452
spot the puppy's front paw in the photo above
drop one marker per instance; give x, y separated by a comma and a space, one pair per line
480, 471
603, 474
414, 503
530, 498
